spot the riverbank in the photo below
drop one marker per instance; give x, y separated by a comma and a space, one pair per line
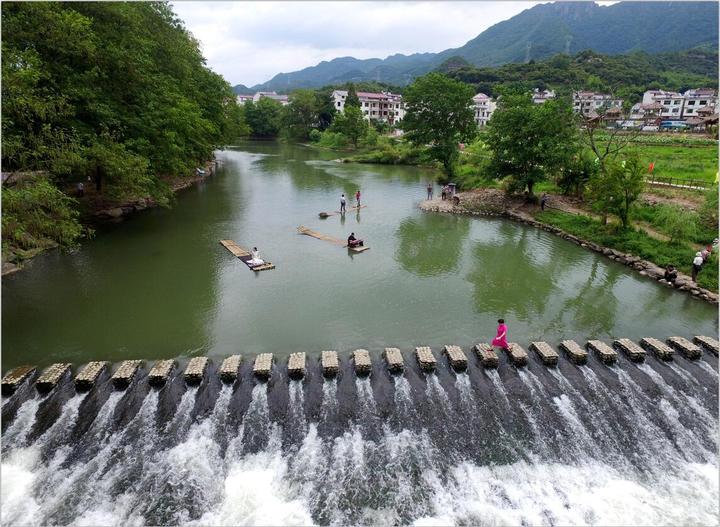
96, 210
615, 246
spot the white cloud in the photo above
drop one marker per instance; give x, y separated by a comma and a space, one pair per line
249, 42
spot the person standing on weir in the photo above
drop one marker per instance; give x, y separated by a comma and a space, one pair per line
342, 204
500, 339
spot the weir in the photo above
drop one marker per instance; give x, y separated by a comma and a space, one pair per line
353, 434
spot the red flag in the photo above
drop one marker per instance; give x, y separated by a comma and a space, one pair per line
651, 167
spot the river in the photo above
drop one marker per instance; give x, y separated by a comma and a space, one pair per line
160, 285
628, 444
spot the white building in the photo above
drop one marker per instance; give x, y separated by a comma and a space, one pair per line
282, 99
589, 103
242, 99
699, 101
540, 96
384, 106
484, 107
670, 103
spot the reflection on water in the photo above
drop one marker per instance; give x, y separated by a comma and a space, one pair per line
160, 285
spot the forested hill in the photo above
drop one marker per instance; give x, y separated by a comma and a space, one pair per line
534, 34
625, 75
115, 91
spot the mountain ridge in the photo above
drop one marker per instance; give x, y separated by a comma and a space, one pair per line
535, 33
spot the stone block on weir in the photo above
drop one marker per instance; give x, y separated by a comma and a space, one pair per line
195, 370
394, 360
688, 349
329, 363
125, 374
457, 357
361, 358
548, 355
573, 350
634, 352
89, 375
263, 366
15, 377
425, 358
517, 354
708, 343
658, 347
229, 368
160, 372
605, 352
52, 376
486, 354
296, 365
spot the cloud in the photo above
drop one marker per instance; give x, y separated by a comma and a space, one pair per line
250, 42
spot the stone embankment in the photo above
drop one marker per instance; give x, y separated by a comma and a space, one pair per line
493, 202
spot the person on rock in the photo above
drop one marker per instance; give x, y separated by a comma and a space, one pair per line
670, 274
500, 339
429, 190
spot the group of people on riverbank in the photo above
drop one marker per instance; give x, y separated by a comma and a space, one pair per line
701, 257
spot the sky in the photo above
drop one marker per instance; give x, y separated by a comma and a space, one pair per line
249, 42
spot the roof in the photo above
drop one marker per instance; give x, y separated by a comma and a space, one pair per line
481, 97
694, 121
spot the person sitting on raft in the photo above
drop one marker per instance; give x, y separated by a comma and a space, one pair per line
255, 260
353, 241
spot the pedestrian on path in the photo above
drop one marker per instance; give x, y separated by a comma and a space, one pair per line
543, 200
697, 265
501, 337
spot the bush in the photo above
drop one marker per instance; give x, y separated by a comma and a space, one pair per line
315, 135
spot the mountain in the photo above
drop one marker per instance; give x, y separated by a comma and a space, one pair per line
536, 33
241, 89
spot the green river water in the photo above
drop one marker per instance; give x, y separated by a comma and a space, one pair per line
159, 285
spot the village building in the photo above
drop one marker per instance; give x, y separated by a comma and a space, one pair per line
484, 107
282, 99
540, 96
242, 99
699, 101
384, 106
588, 103
671, 103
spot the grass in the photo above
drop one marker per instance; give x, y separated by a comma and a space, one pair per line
697, 162
635, 242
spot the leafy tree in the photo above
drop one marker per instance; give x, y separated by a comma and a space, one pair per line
352, 98
575, 175
439, 112
325, 107
678, 223
528, 142
264, 117
351, 124
300, 115
616, 188
709, 209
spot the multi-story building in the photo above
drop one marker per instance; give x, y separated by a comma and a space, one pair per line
671, 103
282, 99
699, 101
590, 103
540, 96
484, 107
384, 106
242, 99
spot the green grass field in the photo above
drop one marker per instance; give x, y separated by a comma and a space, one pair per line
697, 162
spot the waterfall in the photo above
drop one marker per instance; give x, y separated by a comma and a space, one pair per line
17, 432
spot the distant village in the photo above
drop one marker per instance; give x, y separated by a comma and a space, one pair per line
659, 110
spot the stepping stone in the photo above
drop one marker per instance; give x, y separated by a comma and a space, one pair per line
195, 370
15, 378
457, 357
229, 368
330, 363
573, 350
296, 365
659, 348
52, 376
394, 360
487, 355
87, 378
425, 358
605, 352
518, 356
263, 366
634, 352
708, 343
548, 355
688, 349
125, 374
160, 372
361, 358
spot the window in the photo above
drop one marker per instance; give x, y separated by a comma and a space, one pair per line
676, 110
385, 112
366, 104
666, 102
691, 103
703, 103
676, 103
338, 103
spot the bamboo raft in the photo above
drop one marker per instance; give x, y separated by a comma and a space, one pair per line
324, 215
245, 256
336, 241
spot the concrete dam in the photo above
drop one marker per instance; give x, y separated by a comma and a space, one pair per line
542, 433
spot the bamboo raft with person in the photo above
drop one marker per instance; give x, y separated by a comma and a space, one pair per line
342, 243
324, 215
245, 256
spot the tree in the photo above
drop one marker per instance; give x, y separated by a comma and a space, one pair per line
616, 188
300, 115
351, 124
439, 112
264, 117
528, 142
325, 108
575, 175
352, 98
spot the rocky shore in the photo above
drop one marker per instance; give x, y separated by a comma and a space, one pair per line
493, 202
